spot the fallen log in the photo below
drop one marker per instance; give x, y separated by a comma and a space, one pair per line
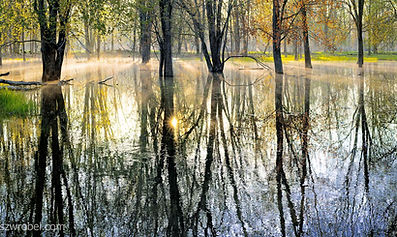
21, 83
107, 79
19, 88
32, 83
263, 65
251, 69
65, 82
4, 74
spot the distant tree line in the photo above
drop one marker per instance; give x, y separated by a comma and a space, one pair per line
215, 29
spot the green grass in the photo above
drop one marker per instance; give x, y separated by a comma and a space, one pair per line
327, 57
352, 56
316, 56
14, 104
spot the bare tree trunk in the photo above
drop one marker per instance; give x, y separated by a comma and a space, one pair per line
236, 31
53, 41
112, 43
166, 44
278, 63
145, 18
35, 44
23, 44
326, 37
98, 46
308, 59
197, 44
31, 43
360, 33
185, 44
245, 44
88, 44
1, 54
180, 38
246, 26
134, 41
10, 49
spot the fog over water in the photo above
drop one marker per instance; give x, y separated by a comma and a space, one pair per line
143, 156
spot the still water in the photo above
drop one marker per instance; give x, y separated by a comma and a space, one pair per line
246, 153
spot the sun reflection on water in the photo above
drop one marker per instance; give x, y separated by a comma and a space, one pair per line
174, 122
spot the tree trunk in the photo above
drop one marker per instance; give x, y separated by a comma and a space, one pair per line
88, 45
1, 54
325, 38
112, 43
197, 44
134, 41
51, 71
236, 31
246, 27
166, 44
308, 59
360, 47
179, 46
145, 18
35, 44
360, 33
53, 42
278, 63
10, 48
245, 44
296, 50
23, 45
98, 46
31, 43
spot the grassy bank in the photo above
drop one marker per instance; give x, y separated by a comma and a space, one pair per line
316, 57
14, 104
336, 57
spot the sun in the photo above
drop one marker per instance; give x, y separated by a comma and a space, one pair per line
174, 122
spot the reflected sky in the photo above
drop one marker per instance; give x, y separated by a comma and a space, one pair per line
310, 153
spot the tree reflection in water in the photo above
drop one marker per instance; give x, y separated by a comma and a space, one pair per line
53, 120
294, 155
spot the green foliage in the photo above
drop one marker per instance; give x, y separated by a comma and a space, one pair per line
381, 22
16, 16
14, 104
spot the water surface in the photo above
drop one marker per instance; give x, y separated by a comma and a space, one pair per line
310, 153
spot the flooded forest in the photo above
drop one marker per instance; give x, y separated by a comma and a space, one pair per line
198, 118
